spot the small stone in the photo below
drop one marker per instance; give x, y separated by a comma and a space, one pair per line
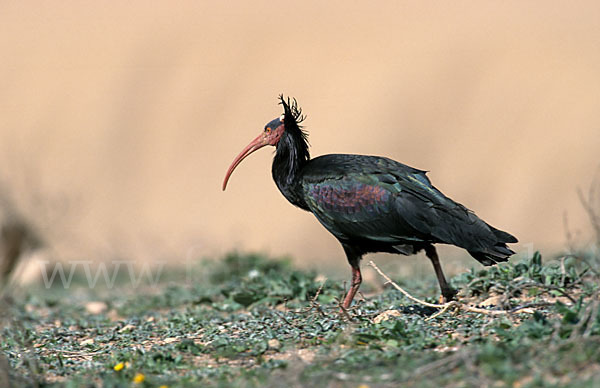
526, 310
89, 341
114, 316
274, 344
384, 316
491, 301
320, 278
170, 340
96, 307
127, 327
306, 355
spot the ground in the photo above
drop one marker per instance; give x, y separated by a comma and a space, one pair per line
249, 321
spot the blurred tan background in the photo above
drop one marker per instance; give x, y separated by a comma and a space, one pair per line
118, 121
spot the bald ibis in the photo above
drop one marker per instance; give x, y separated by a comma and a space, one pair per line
371, 203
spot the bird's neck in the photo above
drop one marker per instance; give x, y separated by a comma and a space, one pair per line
290, 157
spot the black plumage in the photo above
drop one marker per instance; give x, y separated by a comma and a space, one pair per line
373, 204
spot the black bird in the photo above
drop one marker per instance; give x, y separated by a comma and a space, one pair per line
372, 203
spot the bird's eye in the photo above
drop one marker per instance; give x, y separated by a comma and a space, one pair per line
267, 129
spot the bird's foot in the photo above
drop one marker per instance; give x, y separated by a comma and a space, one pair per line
448, 295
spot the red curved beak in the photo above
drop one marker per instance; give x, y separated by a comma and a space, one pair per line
254, 145
267, 137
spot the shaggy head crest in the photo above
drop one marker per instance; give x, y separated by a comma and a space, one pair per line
292, 116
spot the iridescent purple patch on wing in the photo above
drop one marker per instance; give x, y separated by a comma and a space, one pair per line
359, 197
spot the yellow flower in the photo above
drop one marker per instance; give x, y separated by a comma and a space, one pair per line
119, 366
139, 378
363, 386
164, 386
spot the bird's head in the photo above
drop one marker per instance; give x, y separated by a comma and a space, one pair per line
272, 133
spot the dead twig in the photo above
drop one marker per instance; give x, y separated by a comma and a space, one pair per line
314, 304
589, 205
283, 318
409, 296
343, 310
444, 307
545, 287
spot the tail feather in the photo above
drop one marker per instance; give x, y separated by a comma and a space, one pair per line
503, 236
494, 255
432, 216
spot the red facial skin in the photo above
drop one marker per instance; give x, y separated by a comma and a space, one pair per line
267, 137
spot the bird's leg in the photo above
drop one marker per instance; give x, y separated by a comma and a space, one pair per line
356, 280
447, 292
354, 260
